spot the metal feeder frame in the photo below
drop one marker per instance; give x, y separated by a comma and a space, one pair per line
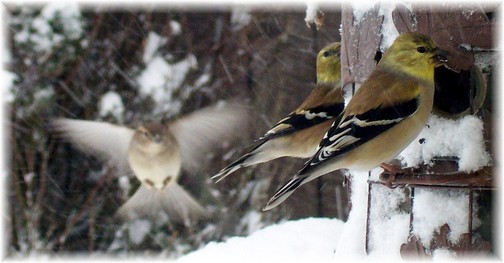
413, 178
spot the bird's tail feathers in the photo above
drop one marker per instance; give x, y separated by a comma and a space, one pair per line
255, 156
172, 202
241, 162
285, 191
288, 188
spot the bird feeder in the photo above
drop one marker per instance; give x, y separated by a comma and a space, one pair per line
460, 90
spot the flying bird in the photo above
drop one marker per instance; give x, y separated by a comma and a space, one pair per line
156, 153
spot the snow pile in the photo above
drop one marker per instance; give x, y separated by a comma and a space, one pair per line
352, 239
462, 138
111, 104
160, 79
312, 239
319, 239
389, 224
428, 218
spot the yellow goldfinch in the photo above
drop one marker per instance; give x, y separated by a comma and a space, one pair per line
156, 153
299, 133
386, 113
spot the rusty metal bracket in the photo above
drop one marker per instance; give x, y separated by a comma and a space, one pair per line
442, 175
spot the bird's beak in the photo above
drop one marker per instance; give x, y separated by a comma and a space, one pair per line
157, 138
440, 57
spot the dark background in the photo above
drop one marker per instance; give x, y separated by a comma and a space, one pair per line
61, 200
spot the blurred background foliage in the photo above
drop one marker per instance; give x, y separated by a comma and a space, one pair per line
65, 61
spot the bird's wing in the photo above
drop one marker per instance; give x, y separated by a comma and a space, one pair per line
101, 139
350, 131
324, 103
346, 134
302, 119
200, 132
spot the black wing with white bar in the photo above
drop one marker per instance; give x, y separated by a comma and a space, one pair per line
357, 129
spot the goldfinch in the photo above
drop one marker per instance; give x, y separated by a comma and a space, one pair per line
386, 113
156, 153
299, 133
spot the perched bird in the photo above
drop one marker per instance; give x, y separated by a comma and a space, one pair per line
386, 113
299, 133
156, 153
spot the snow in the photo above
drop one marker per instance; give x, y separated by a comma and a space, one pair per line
7, 85
311, 239
389, 220
39, 34
154, 42
125, 185
431, 214
352, 240
325, 239
204, 78
43, 94
389, 212
176, 28
138, 230
360, 8
389, 226
251, 221
111, 104
443, 254
160, 79
312, 9
240, 17
29, 177
388, 30
41, 98
462, 138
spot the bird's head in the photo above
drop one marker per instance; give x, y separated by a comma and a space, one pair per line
414, 54
329, 63
153, 137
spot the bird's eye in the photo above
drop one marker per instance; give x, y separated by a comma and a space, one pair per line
421, 49
325, 54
